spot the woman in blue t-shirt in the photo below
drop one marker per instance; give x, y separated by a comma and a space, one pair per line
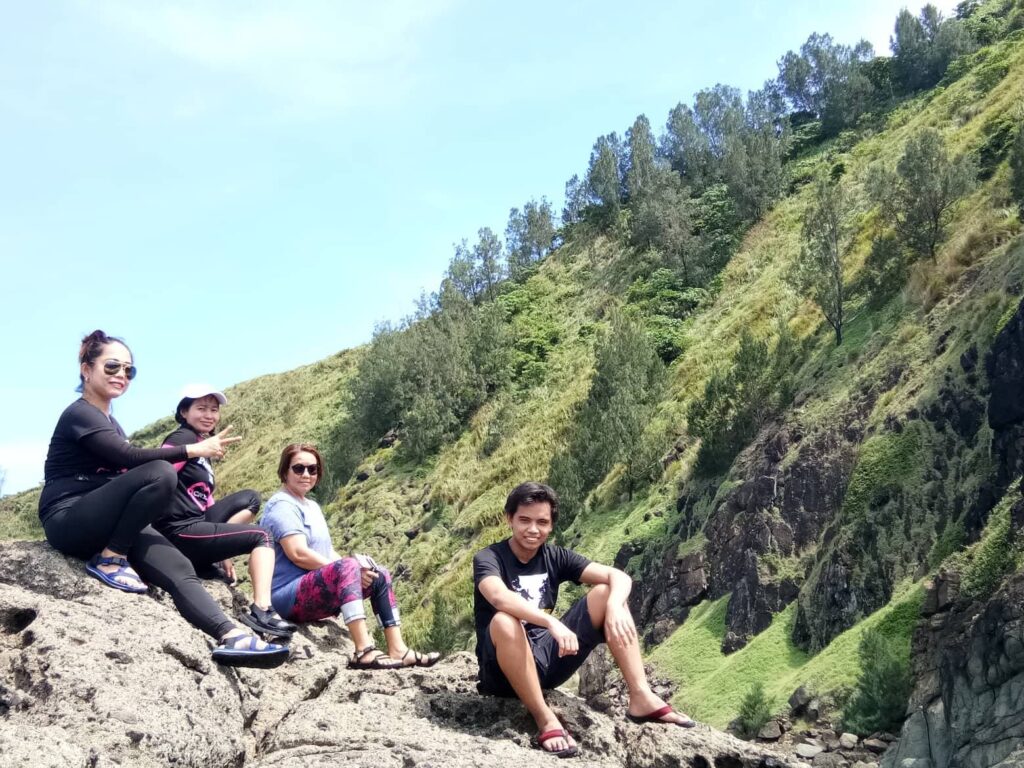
312, 581
101, 494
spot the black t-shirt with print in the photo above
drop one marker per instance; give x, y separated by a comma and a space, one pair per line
536, 581
89, 448
194, 494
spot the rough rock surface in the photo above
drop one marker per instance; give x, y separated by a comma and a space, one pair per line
966, 709
781, 510
95, 677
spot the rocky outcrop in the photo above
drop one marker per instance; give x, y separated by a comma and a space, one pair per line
795, 487
1004, 365
969, 670
96, 677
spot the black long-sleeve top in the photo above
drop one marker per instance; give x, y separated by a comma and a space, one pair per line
89, 448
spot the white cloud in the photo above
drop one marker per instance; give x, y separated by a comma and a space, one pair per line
21, 462
316, 53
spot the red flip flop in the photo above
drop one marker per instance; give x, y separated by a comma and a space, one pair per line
556, 733
656, 715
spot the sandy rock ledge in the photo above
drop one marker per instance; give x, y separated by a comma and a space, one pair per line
95, 677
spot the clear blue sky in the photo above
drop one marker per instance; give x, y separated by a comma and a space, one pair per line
242, 188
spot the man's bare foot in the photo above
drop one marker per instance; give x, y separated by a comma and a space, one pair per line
558, 739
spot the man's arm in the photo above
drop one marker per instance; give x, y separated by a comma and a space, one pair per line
619, 627
505, 600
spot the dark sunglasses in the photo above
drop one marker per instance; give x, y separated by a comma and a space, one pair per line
301, 469
113, 367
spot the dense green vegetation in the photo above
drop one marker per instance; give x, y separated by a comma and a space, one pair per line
764, 260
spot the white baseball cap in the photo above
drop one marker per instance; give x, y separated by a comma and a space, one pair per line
196, 391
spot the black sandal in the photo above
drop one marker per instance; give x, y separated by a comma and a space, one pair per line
421, 659
381, 661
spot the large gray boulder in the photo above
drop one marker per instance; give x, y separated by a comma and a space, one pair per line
96, 677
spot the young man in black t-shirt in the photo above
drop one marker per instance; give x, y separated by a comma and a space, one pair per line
522, 648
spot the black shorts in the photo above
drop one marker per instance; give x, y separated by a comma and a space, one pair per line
552, 669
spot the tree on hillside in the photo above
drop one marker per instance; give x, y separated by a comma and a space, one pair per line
575, 200
3, 476
604, 184
923, 46
818, 272
663, 220
686, 148
487, 257
919, 197
879, 700
475, 272
429, 375
717, 227
628, 382
753, 160
740, 398
528, 236
720, 117
1017, 169
462, 275
641, 148
828, 80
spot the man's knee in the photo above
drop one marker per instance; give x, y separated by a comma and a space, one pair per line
599, 593
505, 628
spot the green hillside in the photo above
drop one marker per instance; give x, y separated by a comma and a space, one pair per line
539, 375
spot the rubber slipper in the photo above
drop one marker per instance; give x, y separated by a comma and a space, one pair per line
557, 733
124, 571
245, 651
381, 661
421, 659
656, 715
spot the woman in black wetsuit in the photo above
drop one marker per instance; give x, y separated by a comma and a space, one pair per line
209, 531
101, 493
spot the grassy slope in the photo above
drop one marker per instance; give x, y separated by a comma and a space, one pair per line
712, 684
453, 503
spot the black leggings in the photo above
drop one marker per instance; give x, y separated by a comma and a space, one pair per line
118, 516
210, 539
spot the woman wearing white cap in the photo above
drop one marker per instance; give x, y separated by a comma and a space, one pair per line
209, 531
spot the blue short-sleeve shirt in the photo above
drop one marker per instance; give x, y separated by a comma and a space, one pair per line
285, 515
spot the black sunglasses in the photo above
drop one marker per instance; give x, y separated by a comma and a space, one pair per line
301, 469
113, 367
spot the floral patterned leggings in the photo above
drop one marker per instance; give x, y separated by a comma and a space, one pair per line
337, 588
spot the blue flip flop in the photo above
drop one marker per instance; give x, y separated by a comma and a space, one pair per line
111, 579
244, 651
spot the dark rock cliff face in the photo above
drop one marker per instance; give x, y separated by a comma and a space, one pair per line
96, 677
1004, 365
784, 533
966, 709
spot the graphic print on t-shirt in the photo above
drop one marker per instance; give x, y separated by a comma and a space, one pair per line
201, 495
533, 588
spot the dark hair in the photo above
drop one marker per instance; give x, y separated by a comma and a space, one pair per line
183, 405
92, 347
289, 453
532, 492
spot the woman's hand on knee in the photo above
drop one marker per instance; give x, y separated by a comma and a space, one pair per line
367, 577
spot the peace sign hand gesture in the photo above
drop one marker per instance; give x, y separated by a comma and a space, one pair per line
212, 447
